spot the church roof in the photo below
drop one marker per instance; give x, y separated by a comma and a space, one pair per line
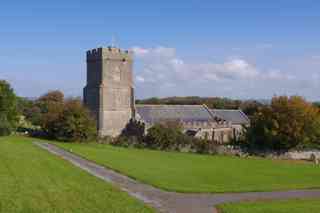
233, 116
186, 113
157, 113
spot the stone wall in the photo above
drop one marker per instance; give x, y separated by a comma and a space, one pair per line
301, 155
109, 90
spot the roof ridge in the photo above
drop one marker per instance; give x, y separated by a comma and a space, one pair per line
227, 109
209, 111
169, 105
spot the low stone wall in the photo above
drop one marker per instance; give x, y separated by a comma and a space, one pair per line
290, 155
302, 155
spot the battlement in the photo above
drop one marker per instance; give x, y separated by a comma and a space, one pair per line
109, 53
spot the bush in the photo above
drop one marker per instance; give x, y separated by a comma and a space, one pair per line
163, 137
166, 135
134, 129
201, 146
131, 141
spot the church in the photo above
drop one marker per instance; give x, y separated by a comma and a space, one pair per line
109, 94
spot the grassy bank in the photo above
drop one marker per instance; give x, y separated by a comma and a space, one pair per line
287, 206
201, 173
34, 181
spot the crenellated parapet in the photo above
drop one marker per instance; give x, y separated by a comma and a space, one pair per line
109, 92
109, 53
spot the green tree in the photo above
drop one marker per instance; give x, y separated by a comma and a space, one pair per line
30, 110
9, 115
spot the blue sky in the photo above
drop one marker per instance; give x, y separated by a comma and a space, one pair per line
238, 49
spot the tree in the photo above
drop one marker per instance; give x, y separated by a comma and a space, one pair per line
65, 120
9, 115
50, 106
249, 107
52, 97
74, 122
30, 110
287, 123
317, 104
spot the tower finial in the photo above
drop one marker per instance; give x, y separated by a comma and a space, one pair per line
113, 41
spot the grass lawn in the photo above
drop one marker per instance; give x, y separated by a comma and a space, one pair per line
287, 206
34, 181
201, 173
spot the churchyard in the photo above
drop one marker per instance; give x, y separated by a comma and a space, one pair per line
33, 180
182, 172
284, 206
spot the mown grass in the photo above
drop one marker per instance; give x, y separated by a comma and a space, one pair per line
34, 181
201, 173
286, 206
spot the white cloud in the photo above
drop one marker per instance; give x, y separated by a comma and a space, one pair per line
139, 51
239, 68
161, 72
162, 63
140, 78
158, 52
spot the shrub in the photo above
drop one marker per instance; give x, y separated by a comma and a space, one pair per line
166, 135
131, 141
134, 129
161, 137
201, 146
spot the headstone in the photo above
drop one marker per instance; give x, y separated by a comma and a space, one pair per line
314, 159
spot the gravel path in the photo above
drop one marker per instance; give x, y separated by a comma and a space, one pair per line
170, 202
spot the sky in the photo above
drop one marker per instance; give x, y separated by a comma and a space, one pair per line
246, 49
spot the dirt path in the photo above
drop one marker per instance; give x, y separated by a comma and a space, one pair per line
170, 202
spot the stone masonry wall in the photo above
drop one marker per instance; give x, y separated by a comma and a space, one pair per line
109, 89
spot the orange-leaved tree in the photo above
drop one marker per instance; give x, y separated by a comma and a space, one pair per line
288, 122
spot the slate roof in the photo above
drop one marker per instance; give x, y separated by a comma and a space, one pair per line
156, 113
234, 116
188, 113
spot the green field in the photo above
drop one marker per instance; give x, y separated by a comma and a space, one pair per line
286, 206
34, 181
201, 173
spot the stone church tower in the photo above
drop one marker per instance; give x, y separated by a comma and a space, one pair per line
109, 91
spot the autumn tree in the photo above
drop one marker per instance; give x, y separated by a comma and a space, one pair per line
287, 123
74, 123
50, 106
